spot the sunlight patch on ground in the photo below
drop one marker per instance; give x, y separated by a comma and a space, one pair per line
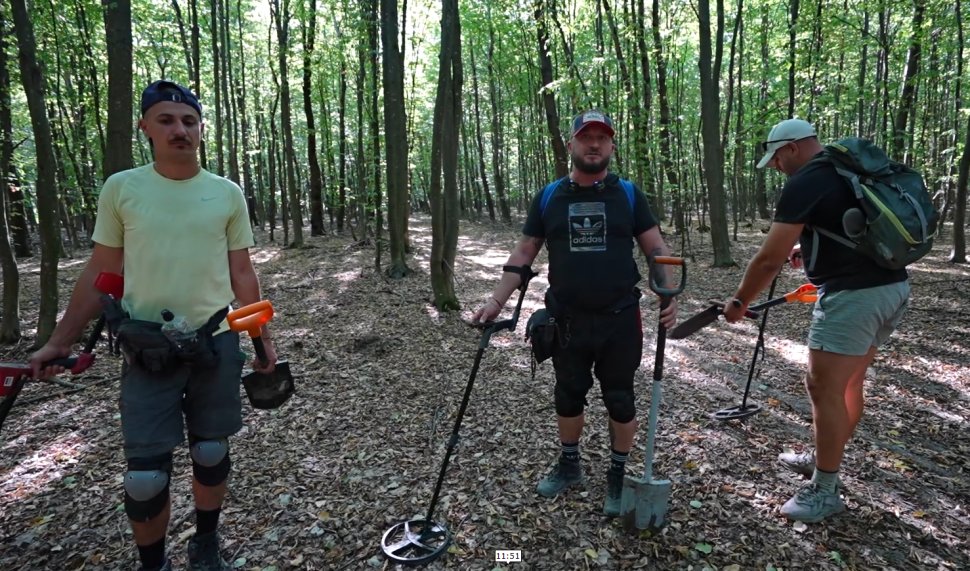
263, 255
43, 467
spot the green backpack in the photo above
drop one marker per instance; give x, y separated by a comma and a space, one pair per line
895, 221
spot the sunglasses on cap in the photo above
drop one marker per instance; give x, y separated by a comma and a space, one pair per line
764, 144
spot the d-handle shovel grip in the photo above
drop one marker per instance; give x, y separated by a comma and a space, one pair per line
251, 318
654, 262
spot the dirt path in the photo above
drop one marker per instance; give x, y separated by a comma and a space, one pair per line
380, 374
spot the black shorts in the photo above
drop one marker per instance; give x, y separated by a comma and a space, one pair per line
609, 345
152, 405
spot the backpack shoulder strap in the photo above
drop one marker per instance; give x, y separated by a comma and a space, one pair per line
547, 193
628, 189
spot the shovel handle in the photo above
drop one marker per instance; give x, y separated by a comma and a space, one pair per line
251, 318
260, 349
653, 262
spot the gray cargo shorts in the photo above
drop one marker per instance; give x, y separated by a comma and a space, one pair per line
849, 322
153, 405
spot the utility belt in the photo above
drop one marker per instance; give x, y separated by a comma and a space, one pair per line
548, 328
143, 343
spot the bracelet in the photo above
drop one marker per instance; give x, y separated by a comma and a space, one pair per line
500, 305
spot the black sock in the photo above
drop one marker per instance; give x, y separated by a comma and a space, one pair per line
570, 451
618, 460
206, 521
152, 556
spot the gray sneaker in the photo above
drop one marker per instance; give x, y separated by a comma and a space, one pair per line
564, 474
812, 504
614, 491
802, 463
204, 554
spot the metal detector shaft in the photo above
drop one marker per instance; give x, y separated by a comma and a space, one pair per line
759, 346
488, 329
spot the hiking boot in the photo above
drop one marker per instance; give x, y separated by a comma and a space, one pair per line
564, 474
812, 504
614, 491
167, 566
204, 554
802, 463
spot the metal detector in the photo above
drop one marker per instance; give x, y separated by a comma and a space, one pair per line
421, 540
746, 409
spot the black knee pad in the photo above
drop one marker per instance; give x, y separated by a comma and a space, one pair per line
146, 486
569, 404
621, 405
210, 460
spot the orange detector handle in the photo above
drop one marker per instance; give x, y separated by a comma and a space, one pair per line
668, 260
250, 318
654, 262
807, 293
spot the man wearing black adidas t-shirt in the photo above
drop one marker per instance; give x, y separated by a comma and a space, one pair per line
589, 229
859, 306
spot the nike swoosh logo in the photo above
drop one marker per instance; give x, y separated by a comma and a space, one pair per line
208, 198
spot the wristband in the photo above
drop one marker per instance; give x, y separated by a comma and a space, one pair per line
500, 305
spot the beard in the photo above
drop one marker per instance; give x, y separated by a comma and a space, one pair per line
591, 167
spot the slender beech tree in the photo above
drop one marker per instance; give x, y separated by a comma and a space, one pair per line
316, 181
395, 133
444, 161
282, 15
710, 70
10, 319
117, 27
32, 76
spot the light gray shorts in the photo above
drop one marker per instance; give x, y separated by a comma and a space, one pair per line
849, 322
153, 405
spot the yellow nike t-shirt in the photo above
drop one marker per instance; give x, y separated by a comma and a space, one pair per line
176, 235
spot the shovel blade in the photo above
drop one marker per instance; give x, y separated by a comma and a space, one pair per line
699, 321
643, 504
268, 391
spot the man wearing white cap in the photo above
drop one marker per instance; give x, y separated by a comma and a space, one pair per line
859, 305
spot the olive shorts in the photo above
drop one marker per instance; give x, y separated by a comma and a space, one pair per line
849, 322
153, 405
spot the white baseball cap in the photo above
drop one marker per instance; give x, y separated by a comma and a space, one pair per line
783, 133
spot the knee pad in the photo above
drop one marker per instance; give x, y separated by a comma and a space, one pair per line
569, 403
146, 486
620, 404
210, 460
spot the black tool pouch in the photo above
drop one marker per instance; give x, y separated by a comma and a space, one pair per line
200, 351
143, 344
541, 331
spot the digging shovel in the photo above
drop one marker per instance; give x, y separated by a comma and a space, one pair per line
806, 293
643, 503
265, 390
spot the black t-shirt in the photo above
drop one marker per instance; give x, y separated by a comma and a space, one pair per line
589, 234
817, 196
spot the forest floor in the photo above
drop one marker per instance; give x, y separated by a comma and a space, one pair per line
380, 374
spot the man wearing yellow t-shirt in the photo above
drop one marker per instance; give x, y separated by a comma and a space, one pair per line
182, 236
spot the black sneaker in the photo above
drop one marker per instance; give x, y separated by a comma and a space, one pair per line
204, 554
614, 491
564, 474
167, 566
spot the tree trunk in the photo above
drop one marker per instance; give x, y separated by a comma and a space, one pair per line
32, 77
907, 99
481, 147
710, 125
244, 144
559, 154
316, 181
10, 322
117, 26
372, 19
444, 161
498, 144
289, 156
196, 74
792, 36
395, 132
216, 75
665, 147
